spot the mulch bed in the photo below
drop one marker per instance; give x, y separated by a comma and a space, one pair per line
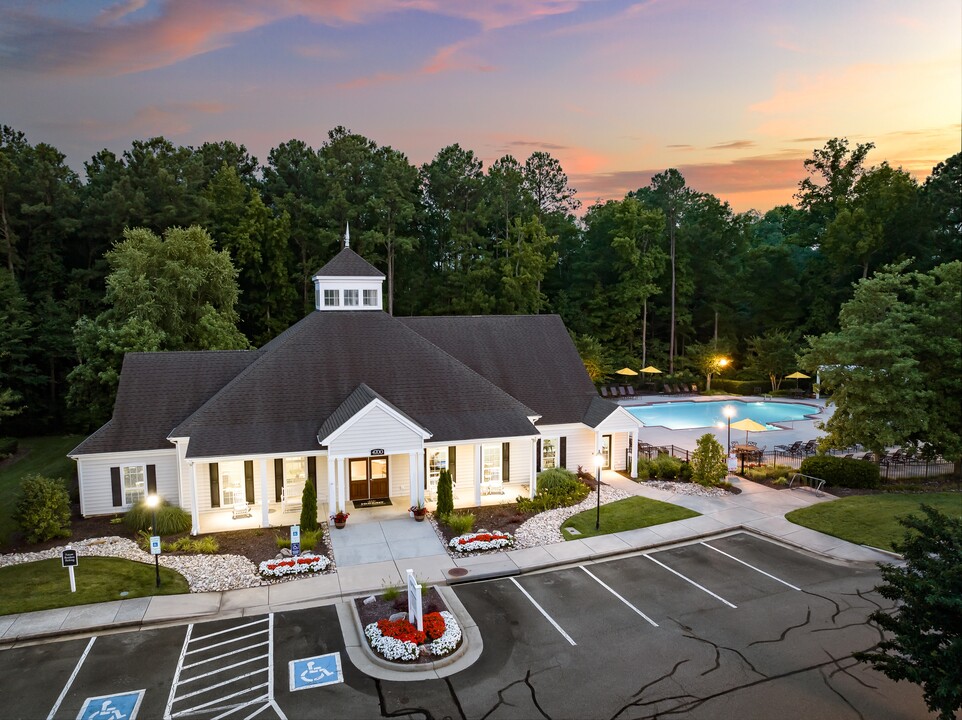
506, 518
382, 609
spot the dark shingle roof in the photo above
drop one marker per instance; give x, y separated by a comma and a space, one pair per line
159, 390
530, 356
598, 409
348, 263
279, 402
352, 405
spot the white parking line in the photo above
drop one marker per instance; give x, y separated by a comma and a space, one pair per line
73, 676
226, 642
751, 566
231, 629
689, 580
542, 611
611, 590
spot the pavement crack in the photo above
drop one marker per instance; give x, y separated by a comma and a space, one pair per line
718, 649
455, 698
526, 680
404, 712
828, 684
839, 668
838, 608
663, 677
806, 621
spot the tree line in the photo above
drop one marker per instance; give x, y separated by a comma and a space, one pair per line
167, 247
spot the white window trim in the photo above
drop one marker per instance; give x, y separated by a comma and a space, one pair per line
557, 452
356, 297
369, 293
123, 482
223, 485
432, 476
337, 297
496, 469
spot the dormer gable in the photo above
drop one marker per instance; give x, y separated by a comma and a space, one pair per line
348, 282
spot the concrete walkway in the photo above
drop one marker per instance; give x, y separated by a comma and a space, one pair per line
757, 509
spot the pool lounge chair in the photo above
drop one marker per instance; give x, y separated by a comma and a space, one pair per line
667, 389
811, 447
794, 449
630, 390
675, 389
604, 391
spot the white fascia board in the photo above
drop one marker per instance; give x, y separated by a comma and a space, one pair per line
620, 419
562, 429
534, 418
261, 456
375, 403
348, 278
125, 454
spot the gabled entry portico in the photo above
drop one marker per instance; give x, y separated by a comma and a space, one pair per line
364, 437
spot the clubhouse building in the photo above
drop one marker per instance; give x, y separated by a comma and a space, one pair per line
368, 406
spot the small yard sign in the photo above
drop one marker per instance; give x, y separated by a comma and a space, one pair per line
70, 560
155, 544
119, 706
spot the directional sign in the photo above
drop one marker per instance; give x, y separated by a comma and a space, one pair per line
155, 544
316, 671
68, 558
119, 706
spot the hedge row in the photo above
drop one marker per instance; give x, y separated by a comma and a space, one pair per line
741, 387
842, 472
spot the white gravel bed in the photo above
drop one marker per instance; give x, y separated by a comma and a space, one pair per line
204, 573
545, 528
687, 488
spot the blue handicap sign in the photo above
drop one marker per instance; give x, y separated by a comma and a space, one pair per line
316, 671
120, 706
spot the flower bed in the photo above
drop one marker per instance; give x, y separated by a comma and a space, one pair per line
294, 566
481, 541
399, 640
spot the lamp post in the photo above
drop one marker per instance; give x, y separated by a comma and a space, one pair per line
729, 412
599, 464
152, 501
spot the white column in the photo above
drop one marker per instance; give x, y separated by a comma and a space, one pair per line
265, 497
633, 439
331, 486
533, 481
413, 475
478, 474
342, 483
194, 511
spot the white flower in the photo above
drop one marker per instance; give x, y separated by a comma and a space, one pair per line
294, 565
446, 644
481, 541
391, 648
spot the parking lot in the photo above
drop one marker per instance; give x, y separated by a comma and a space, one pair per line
734, 626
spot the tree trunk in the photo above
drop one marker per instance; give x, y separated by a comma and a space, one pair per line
644, 333
671, 342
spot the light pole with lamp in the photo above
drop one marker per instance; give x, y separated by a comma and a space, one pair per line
729, 412
599, 464
152, 501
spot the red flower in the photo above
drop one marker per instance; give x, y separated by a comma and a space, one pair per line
433, 626
401, 630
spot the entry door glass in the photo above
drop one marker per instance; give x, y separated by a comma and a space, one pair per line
379, 484
360, 489
606, 451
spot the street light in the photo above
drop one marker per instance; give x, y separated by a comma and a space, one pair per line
729, 412
599, 464
152, 501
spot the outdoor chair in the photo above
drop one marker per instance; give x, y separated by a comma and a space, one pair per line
604, 391
675, 389
694, 388
289, 503
240, 510
794, 449
622, 392
631, 390
666, 388
811, 447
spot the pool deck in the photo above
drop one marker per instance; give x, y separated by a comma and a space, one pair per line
794, 430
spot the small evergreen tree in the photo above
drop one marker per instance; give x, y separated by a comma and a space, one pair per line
309, 508
708, 461
445, 494
43, 511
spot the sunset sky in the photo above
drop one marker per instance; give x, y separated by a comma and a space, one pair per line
734, 94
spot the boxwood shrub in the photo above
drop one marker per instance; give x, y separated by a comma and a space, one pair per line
842, 472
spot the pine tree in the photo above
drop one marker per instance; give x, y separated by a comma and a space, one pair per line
708, 461
309, 507
445, 495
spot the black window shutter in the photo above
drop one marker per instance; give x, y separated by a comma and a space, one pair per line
278, 478
116, 491
538, 451
249, 481
151, 479
505, 462
312, 470
214, 486
562, 451
453, 463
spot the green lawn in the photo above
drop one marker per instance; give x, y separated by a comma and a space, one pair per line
44, 585
44, 456
871, 519
628, 514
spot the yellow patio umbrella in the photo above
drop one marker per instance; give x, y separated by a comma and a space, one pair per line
798, 376
651, 370
626, 371
748, 425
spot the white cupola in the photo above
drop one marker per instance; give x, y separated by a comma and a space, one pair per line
348, 282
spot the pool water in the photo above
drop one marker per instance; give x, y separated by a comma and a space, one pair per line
688, 415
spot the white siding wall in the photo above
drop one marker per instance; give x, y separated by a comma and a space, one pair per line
619, 442
203, 483
375, 429
519, 468
580, 449
463, 490
95, 471
399, 474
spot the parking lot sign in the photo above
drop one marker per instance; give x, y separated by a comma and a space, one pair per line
316, 671
119, 706
155, 545
295, 540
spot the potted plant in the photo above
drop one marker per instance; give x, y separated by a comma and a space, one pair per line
418, 511
340, 519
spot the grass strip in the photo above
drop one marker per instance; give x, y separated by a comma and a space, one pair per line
628, 514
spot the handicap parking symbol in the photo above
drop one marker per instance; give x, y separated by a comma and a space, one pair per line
119, 706
316, 671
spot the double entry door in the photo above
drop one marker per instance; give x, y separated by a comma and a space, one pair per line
368, 478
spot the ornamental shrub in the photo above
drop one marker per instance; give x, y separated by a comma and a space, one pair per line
43, 510
769, 472
308, 520
171, 519
556, 488
708, 461
460, 523
645, 469
842, 472
666, 467
445, 494
8, 447
556, 480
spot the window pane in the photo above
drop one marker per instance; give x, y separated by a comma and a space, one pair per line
358, 469
491, 460
134, 484
232, 483
378, 468
370, 297
331, 298
350, 297
549, 453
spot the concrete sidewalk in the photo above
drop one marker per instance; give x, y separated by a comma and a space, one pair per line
756, 509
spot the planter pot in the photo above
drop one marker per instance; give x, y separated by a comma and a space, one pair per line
419, 518
340, 525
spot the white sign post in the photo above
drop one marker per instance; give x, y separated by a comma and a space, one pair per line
415, 613
69, 560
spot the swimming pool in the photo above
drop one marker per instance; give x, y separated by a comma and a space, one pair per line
688, 415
